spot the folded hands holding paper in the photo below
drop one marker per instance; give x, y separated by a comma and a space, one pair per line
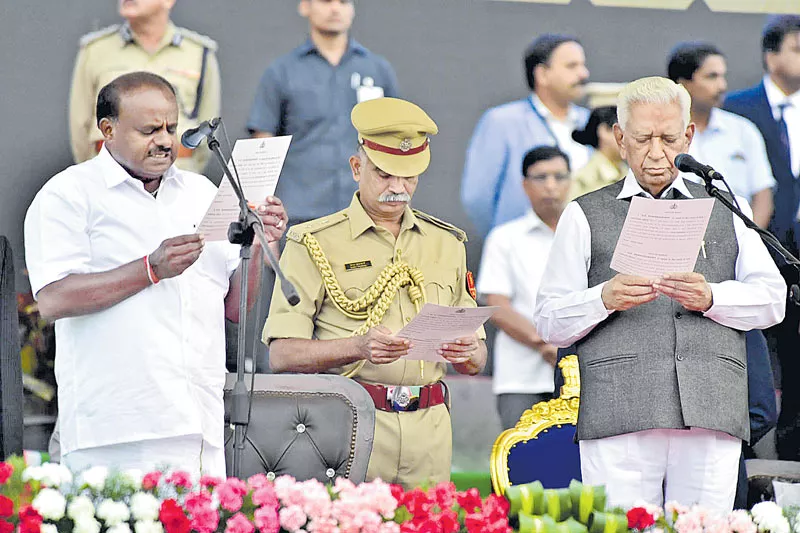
689, 289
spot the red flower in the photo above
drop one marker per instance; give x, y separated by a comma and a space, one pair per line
469, 500
420, 525
150, 480
445, 493
475, 523
6, 527
418, 503
448, 522
495, 507
173, 517
398, 493
6, 507
639, 518
5, 472
30, 520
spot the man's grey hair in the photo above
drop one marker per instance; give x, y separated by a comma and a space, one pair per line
652, 90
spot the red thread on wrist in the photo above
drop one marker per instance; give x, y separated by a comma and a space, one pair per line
151, 274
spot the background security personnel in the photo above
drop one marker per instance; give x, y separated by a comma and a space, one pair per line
146, 41
362, 274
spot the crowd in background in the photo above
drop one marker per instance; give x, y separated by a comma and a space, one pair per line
526, 160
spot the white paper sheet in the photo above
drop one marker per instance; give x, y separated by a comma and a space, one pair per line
437, 324
259, 162
661, 236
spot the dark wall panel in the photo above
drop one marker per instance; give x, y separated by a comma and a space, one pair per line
453, 57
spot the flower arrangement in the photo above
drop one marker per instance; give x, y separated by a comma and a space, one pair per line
48, 498
762, 518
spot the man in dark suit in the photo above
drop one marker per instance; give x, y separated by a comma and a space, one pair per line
774, 107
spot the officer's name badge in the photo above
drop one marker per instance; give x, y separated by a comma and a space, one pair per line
358, 264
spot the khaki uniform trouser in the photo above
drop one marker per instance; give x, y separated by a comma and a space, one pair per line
412, 448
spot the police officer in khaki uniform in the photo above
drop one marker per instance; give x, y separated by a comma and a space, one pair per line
365, 272
146, 41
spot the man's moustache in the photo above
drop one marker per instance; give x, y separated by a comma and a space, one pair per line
401, 197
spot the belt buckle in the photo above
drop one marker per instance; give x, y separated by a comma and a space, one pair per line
403, 398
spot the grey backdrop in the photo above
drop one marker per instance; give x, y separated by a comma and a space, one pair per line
455, 58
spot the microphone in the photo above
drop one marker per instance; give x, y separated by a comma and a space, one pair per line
192, 137
687, 163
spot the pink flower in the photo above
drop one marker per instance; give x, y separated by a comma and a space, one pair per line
210, 481
389, 527
283, 485
179, 478
343, 485
715, 524
239, 523
325, 525
203, 517
673, 507
689, 522
265, 496
741, 522
230, 493
258, 481
266, 519
292, 518
150, 480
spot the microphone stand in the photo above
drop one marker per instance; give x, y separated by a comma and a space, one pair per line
768, 238
242, 232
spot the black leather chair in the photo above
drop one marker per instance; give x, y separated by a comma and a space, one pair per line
305, 425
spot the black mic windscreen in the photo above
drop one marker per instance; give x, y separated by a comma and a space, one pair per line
683, 162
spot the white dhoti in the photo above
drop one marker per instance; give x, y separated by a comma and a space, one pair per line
187, 452
694, 466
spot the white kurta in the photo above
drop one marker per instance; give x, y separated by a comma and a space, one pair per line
153, 365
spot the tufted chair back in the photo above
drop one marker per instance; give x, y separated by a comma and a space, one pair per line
305, 425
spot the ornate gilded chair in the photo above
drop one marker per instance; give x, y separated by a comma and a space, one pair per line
542, 447
306, 425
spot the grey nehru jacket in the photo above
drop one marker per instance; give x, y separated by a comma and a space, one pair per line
659, 365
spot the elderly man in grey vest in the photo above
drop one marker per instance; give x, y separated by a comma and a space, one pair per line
663, 368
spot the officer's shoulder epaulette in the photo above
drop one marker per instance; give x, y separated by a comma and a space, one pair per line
93, 36
199, 38
459, 234
296, 232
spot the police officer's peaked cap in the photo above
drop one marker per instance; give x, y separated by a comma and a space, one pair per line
394, 134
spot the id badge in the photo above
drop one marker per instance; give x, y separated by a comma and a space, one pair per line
368, 93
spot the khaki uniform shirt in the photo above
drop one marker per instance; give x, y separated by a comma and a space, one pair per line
185, 58
411, 447
597, 173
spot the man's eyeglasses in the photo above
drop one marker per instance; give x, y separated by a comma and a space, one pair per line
541, 178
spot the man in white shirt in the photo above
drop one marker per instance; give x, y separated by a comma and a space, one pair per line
663, 365
729, 143
138, 298
514, 256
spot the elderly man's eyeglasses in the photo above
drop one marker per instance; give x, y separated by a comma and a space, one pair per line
541, 178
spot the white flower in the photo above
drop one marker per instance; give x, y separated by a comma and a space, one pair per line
32, 473
95, 477
48, 528
144, 506
119, 528
134, 477
54, 474
80, 507
797, 523
86, 524
113, 512
50, 504
768, 516
146, 526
